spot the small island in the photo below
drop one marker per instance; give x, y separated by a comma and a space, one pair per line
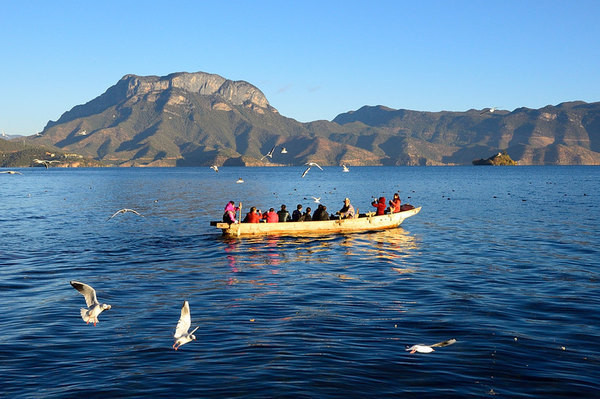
500, 159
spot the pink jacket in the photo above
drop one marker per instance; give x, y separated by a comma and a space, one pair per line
231, 209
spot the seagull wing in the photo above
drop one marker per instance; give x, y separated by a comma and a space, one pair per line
116, 213
87, 291
134, 211
306, 171
185, 320
317, 165
444, 343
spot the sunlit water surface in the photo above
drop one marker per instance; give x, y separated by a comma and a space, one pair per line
503, 259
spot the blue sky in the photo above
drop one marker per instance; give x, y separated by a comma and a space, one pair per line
312, 59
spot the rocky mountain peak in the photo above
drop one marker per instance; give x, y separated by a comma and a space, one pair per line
237, 92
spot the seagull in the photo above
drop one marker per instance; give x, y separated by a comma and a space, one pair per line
313, 164
269, 154
12, 172
310, 165
490, 110
317, 199
345, 168
94, 308
240, 180
45, 162
283, 150
182, 336
429, 348
215, 168
125, 210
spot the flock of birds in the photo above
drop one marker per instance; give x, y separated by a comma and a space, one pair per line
283, 151
182, 334
269, 154
90, 314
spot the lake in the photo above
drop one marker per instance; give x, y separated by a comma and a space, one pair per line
505, 260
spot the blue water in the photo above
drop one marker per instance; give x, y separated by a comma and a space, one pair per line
503, 259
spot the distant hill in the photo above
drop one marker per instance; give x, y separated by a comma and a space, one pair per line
16, 153
189, 119
499, 159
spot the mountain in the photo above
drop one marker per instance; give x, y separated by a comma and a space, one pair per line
187, 119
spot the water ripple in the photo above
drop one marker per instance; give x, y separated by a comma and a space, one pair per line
503, 267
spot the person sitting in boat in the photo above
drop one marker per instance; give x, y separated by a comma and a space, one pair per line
253, 216
271, 216
321, 213
306, 217
230, 211
284, 215
380, 205
395, 204
297, 214
347, 211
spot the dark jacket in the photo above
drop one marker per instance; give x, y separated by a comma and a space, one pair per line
284, 216
296, 215
320, 214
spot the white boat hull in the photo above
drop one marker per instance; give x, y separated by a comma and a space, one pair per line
366, 223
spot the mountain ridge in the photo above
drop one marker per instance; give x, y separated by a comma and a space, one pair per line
192, 119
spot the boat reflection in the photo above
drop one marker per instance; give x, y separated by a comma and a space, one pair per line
274, 251
395, 243
252, 254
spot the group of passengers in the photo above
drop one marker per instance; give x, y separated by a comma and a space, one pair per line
346, 212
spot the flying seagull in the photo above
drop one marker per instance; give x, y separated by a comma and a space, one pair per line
94, 308
310, 165
182, 336
215, 168
317, 200
45, 162
11, 172
429, 348
345, 168
125, 210
269, 154
283, 150
313, 164
490, 110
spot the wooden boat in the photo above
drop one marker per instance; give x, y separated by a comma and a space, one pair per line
366, 222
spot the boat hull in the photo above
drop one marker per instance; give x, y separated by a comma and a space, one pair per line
361, 224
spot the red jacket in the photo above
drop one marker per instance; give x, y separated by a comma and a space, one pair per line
272, 217
380, 205
252, 217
